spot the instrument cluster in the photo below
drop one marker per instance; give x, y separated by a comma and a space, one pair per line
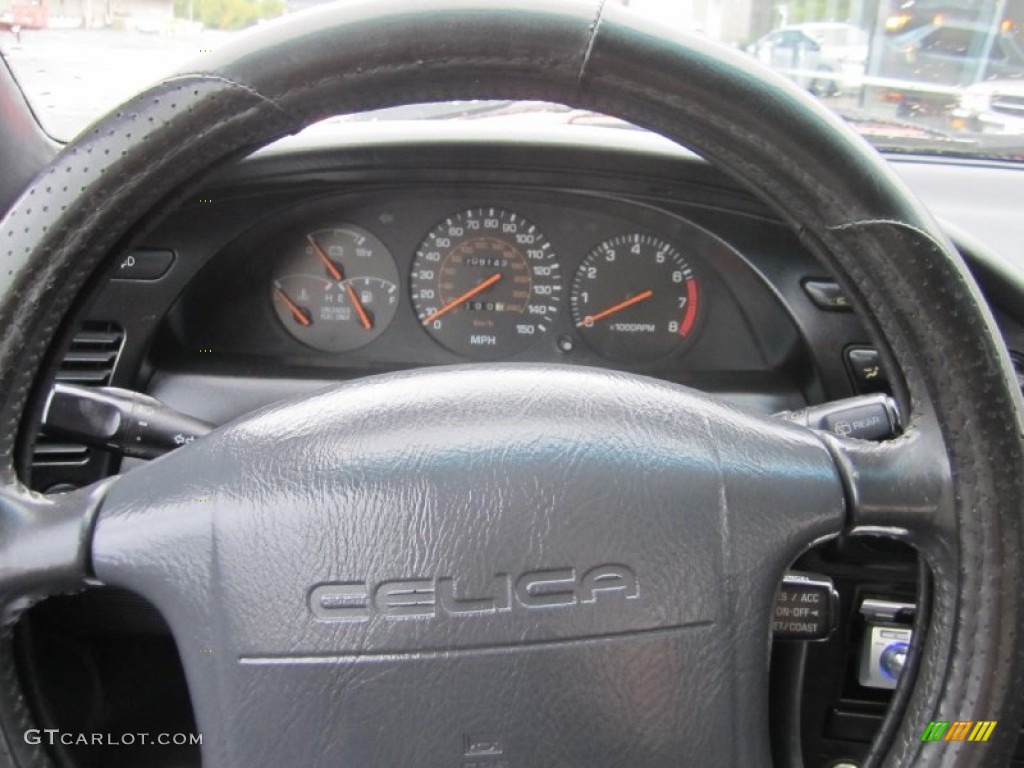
396, 277
486, 283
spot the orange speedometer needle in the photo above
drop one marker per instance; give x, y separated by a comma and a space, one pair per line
464, 297
332, 268
589, 320
364, 318
300, 314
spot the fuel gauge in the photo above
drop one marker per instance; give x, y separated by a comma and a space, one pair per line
336, 289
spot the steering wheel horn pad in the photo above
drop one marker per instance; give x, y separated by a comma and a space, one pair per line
526, 580
256, 541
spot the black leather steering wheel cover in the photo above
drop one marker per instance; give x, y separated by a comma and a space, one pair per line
914, 291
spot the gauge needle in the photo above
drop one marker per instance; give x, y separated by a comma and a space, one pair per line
589, 320
332, 268
300, 314
464, 297
364, 318
339, 276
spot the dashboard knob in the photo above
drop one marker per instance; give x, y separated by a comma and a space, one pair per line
893, 659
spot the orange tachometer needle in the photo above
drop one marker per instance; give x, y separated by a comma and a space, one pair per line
300, 314
464, 297
364, 318
332, 268
589, 320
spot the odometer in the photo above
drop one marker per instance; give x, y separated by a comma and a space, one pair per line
635, 298
485, 283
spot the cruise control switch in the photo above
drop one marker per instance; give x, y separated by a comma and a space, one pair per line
120, 420
806, 607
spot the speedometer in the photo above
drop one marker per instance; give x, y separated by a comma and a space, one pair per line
485, 283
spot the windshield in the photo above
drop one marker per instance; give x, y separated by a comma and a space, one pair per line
924, 76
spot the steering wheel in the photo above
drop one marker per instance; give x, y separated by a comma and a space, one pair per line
521, 565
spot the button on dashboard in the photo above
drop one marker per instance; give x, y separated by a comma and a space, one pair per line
827, 295
144, 265
865, 366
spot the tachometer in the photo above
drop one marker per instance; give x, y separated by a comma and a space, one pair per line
485, 283
336, 289
635, 298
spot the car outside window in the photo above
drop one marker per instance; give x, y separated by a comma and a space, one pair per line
948, 40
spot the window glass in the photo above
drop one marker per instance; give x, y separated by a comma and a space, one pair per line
911, 75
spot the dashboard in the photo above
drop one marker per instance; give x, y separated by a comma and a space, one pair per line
361, 248
620, 253
365, 249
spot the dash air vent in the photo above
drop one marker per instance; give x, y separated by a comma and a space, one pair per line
89, 362
93, 354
